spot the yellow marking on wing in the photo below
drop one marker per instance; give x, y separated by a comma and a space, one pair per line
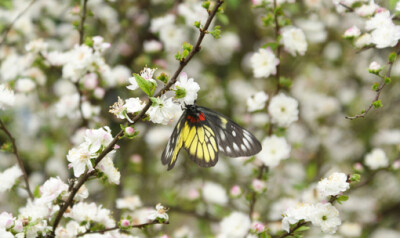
200, 152
213, 143
209, 130
211, 151
190, 137
185, 131
200, 134
223, 121
178, 146
194, 146
206, 153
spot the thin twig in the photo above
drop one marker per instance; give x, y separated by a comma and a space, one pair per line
264, 168
110, 147
19, 160
81, 37
378, 93
140, 226
292, 230
8, 29
350, 9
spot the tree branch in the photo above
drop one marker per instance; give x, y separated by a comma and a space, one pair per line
19, 160
110, 147
378, 93
292, 230
140, 226
8, 29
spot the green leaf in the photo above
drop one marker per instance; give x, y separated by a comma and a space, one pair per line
216, 32
302, 228
154, 101
342, 198
178, 56
163, 77
355, 178
388, 80
272, 45
197, 24
377, 104
187, 46
392, 57
180, 92
185, 53
89, 41
143, 84
268, 20
311, 171
375, 86
36, 192
223, 19
285, 82
206, 5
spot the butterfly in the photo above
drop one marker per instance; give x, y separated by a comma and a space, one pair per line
204, 133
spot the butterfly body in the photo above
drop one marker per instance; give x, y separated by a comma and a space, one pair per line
203, 134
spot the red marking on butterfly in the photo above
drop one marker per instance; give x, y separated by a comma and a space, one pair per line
196, 119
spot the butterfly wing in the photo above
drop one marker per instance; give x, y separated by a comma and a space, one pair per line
232, 139
197, 138
174, 145
200, 142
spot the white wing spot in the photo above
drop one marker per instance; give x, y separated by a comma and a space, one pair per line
243, 147
228, 150
234, 133
247, 143
235, 147
220, 148
222, 134
247, 136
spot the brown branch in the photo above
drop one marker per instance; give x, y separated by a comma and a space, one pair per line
81, 36
19, 160
292, 230
378, 93
8, 29
264, 168
110, 147
350, 9
140, 226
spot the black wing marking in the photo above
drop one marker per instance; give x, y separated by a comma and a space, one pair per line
174, 145
233, 140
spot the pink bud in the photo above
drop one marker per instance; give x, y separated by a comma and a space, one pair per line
125, 223
259, 227
116, 147
358, 166
90, 81
99, 93
129, 131
136, 159
236, 191
193, 194
396, 164
258, 185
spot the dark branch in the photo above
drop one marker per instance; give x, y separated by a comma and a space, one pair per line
8, 29
378, 93
140, 226
110, 147
19, 160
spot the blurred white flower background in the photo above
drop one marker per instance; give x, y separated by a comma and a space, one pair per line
90, 92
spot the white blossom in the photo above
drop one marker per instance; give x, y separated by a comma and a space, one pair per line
79, 60
80, 158
71, 230
353, 31
303, 211
214, 193
236, 225
264, 63
327, 217
376, 159
7, 97
159, 213
159, 23
274, 149
36, 46
5, 234
283, 110
294, 40
386, 36
257, 101
333, 185
8, 177
99, 44
6, 220
134, 105
151, 46
98, 138
366, 9
172, 37
146, 73
374, 67
363, 40
37, 210
68, 106
51, 189
24, 85
131, 202
190, 88
106, 165
91, 212
163, 111
350, 229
